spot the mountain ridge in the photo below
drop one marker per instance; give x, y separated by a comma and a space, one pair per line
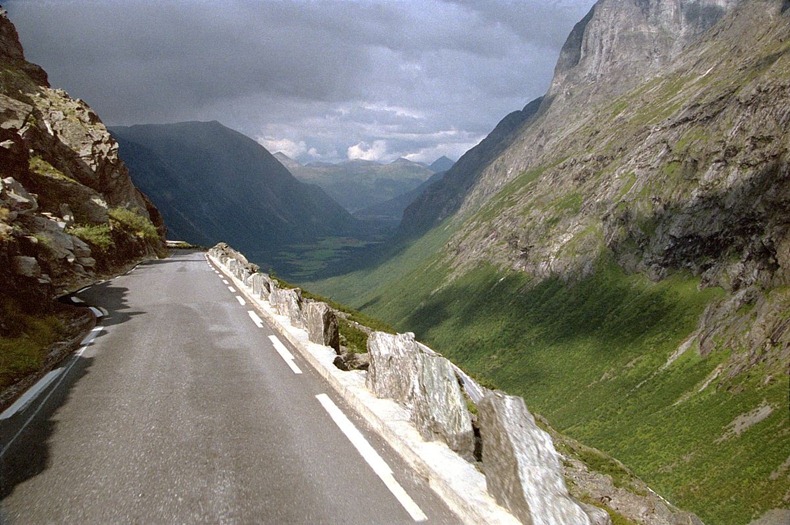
640, 230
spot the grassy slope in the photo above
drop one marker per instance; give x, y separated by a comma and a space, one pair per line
588, 356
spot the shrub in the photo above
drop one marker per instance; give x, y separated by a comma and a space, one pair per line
96, 235
25, 348
134, 223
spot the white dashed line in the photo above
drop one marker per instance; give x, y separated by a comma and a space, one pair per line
240, 300
285, 354
372, 457
232, 289
255, 319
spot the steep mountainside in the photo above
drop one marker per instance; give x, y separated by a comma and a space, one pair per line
358, 184
621, 260
214, 184
69, 212
442, 199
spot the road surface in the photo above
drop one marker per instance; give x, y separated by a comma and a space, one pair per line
181, 410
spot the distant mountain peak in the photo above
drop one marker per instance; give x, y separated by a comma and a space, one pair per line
403, 160
287, 161
443, 163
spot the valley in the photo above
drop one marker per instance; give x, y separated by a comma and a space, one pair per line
616, 252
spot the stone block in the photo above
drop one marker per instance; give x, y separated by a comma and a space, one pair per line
393, 372
522, 468
439, 407
322, 326
288, 302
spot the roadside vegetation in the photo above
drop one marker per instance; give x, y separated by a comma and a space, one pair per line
25, 341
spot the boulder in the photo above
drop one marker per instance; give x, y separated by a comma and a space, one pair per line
16, 198
439, 408
288, 302
522, 468
66, 214
394, 367
322, 326
86, 262
26, 266
81, 248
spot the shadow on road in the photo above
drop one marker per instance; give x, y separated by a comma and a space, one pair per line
25, 437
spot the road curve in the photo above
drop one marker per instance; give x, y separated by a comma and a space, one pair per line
185, 409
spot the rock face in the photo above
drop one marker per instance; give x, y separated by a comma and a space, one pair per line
399, 369
677, 160
622, 43
522, 469
68, 209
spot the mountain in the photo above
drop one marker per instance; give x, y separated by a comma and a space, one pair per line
392, 210
618, 255
214, 184
357, 184
442, 199
69, 216
441, 164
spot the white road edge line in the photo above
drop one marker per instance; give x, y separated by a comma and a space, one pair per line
97, 312
22, 403
240, 300
64, 372
232, 289
285, 354
255, 319
372, 457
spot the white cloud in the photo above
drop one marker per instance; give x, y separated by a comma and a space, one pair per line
364, 151
289, 147
452, 151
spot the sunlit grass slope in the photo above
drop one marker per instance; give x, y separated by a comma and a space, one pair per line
591, 356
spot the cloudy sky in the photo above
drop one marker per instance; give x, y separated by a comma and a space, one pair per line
325, 80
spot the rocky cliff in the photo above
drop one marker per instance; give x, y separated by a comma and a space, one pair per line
69, 212
687, 172
621, 258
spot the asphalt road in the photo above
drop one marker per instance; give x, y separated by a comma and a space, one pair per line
182, 411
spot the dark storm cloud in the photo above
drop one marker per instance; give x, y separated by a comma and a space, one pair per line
318, 79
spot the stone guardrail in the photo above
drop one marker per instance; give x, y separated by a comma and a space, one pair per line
413, 397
